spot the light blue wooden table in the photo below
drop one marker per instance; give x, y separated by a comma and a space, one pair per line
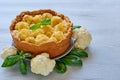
100, 17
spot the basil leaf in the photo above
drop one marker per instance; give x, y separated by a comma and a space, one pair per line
11, 60
21, 53
75, 27
71, 60
23, 66
78, 52
35, 26
27, 55
60, 67
43, 22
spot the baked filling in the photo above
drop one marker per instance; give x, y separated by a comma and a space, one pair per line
33, 29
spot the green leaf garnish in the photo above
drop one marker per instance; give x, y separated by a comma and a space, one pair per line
43, 22
75, 27
35, 26
11, 60
27, 55
24, 55
21, 53
78, 52
71, 60
23, 66
60, 67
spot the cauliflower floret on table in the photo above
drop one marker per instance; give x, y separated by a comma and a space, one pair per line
82, 37
41, 64
7, 51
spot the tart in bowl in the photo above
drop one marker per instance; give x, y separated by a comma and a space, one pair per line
53, 38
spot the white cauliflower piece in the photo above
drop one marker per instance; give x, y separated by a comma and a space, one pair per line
41, 64
7, 51
82, 37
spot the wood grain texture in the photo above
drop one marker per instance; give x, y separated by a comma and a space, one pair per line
101, 18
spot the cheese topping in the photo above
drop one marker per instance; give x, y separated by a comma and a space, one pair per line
55, 31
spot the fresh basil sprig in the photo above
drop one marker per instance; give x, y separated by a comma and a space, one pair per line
24, 55
60, 67
21, 53
27, 55
75, 27
71, 60
43, 22
13, 59
78, 52
23, 66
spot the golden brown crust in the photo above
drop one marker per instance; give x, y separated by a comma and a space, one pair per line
54, 49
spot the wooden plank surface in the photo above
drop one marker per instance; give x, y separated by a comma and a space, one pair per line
100, 17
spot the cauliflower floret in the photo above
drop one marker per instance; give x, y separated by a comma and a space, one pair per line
58, 35
45, 54
41, 38
37, 32
55, 20
61, 27
53, 39
24, 33
48, 30
28, 19
7, 51
21, 25
37, 18
47, 15
30, 39
83, 38
41, 64
15, 32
